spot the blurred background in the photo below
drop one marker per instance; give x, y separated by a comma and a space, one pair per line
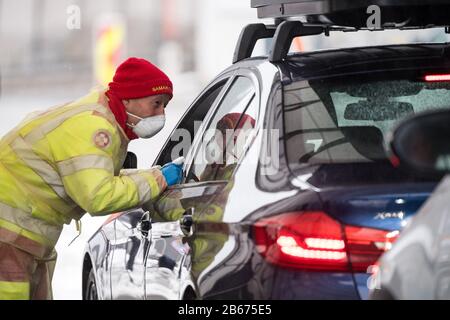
53, 51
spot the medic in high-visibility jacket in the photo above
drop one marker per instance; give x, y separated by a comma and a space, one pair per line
61, 163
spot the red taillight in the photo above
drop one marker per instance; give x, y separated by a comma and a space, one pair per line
395, 161
314, 240
437, 77
366, 245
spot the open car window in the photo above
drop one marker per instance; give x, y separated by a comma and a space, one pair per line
217, 155
188, 126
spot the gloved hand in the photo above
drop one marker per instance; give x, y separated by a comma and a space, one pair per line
173, 172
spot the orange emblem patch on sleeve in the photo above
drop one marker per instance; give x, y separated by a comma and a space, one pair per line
102, 139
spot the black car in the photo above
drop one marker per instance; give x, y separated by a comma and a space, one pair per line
305, 204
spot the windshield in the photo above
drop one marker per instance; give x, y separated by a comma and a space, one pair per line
339, 121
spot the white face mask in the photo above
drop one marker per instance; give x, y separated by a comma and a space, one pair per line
148, 127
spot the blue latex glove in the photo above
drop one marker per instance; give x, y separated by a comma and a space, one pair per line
173, 173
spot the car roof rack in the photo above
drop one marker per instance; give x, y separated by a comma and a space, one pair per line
289, 8
248, 38
324, 16
282, 35
286, 32
355, 13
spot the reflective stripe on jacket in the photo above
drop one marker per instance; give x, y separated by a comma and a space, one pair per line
58, 164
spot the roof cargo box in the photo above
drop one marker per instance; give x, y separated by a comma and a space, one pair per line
355, 13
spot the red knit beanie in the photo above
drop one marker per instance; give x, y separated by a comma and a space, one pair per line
137, 78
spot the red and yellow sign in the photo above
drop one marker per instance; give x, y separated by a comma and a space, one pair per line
108, 50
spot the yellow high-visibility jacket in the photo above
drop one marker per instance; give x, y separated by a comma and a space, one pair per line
58, 164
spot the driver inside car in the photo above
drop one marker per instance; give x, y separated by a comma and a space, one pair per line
205, 246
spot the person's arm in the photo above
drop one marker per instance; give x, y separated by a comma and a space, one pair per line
83, 149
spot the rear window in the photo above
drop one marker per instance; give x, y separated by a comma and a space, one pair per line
339, 122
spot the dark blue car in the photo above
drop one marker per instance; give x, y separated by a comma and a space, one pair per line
303, 199
309, 204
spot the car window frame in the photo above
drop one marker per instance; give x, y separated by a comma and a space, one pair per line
197, 140
228, 76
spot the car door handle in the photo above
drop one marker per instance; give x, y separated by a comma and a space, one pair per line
187, 221
145, 225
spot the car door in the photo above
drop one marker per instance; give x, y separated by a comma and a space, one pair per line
166, 258
130, 247
202, 185
133, 248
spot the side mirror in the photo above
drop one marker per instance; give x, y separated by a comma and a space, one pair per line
422, 143
130, 161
